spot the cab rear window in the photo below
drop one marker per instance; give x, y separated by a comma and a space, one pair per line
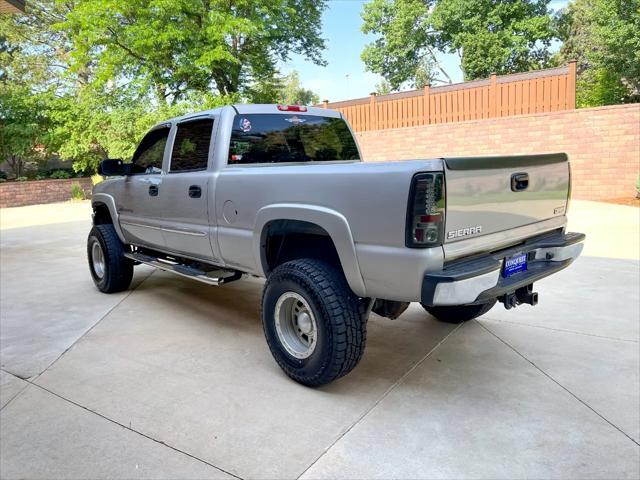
285, 138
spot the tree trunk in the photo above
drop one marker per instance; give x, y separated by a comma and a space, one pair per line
16, 165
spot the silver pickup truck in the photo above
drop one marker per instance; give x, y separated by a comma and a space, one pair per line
281, 192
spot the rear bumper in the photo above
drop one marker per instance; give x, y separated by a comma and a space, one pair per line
477, 279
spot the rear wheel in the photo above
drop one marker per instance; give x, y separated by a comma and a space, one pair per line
312, 321
110, 270
460, 313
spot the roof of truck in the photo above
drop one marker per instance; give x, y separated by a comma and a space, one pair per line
248, 108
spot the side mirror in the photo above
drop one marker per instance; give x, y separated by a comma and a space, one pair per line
113, 168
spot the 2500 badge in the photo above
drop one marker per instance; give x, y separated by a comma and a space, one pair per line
463, 232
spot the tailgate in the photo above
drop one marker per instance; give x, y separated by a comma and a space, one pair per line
486, 195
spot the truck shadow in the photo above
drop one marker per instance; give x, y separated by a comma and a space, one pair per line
393, 346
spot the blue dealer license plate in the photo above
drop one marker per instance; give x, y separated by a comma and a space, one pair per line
515, 264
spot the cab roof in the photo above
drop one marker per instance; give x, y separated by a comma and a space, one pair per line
251, 108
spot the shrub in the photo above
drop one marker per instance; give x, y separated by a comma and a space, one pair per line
41, 177
96, 179
21, 179
2, 179
77, 193
60, 174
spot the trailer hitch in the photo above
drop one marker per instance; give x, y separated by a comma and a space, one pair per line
521, 295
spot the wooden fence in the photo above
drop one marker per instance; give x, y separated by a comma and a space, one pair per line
547, 90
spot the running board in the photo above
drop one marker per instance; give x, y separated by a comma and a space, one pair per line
210, 277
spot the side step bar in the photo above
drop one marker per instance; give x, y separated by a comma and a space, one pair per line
210, 277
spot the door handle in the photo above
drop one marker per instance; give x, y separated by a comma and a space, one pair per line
195, 191
153, 190
519, 181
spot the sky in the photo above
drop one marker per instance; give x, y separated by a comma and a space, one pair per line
345, 77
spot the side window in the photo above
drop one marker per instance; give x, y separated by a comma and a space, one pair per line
191, 146
148, 156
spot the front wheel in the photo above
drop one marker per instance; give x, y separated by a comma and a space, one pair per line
460, 313
110, 269
312, 321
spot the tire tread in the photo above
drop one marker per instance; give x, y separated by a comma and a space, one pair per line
119, 270
328, 289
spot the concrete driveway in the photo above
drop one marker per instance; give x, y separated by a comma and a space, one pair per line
174, 379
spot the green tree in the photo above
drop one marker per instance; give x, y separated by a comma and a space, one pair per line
383, 87
35, 54
265, 90
280, 89
103, 72
22, 127
489, 36
97, 124
603, 36
292, 93
404, 45
174, 47
35, 78
31, 63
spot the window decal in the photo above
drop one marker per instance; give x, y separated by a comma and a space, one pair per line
245, 125
295, 120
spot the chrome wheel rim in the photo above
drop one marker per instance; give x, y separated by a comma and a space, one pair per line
97, 259
296, 325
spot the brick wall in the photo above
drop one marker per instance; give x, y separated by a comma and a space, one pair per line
15, 194
603, 144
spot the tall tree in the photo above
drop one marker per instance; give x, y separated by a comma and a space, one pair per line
404, 45
293, 93
285, 89
603, 36
489, 36
181, 46
32, 66
23, 126
34, 53
383, 87
104, 71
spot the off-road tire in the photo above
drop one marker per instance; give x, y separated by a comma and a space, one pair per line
118, 270
460, 313
341, 325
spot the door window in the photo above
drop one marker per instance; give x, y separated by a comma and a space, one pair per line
191, 146
149, 154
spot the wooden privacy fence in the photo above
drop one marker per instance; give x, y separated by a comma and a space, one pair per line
547, 90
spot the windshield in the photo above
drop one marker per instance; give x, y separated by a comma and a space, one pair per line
277, 138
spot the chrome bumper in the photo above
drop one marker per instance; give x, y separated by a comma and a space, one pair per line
468, 281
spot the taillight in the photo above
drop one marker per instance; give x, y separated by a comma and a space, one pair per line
425, 214
292, 108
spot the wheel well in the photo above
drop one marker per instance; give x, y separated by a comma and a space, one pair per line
285, 240
101, 214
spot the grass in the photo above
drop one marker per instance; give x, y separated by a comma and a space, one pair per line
77, 193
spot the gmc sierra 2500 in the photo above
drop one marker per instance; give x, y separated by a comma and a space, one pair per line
281, 192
